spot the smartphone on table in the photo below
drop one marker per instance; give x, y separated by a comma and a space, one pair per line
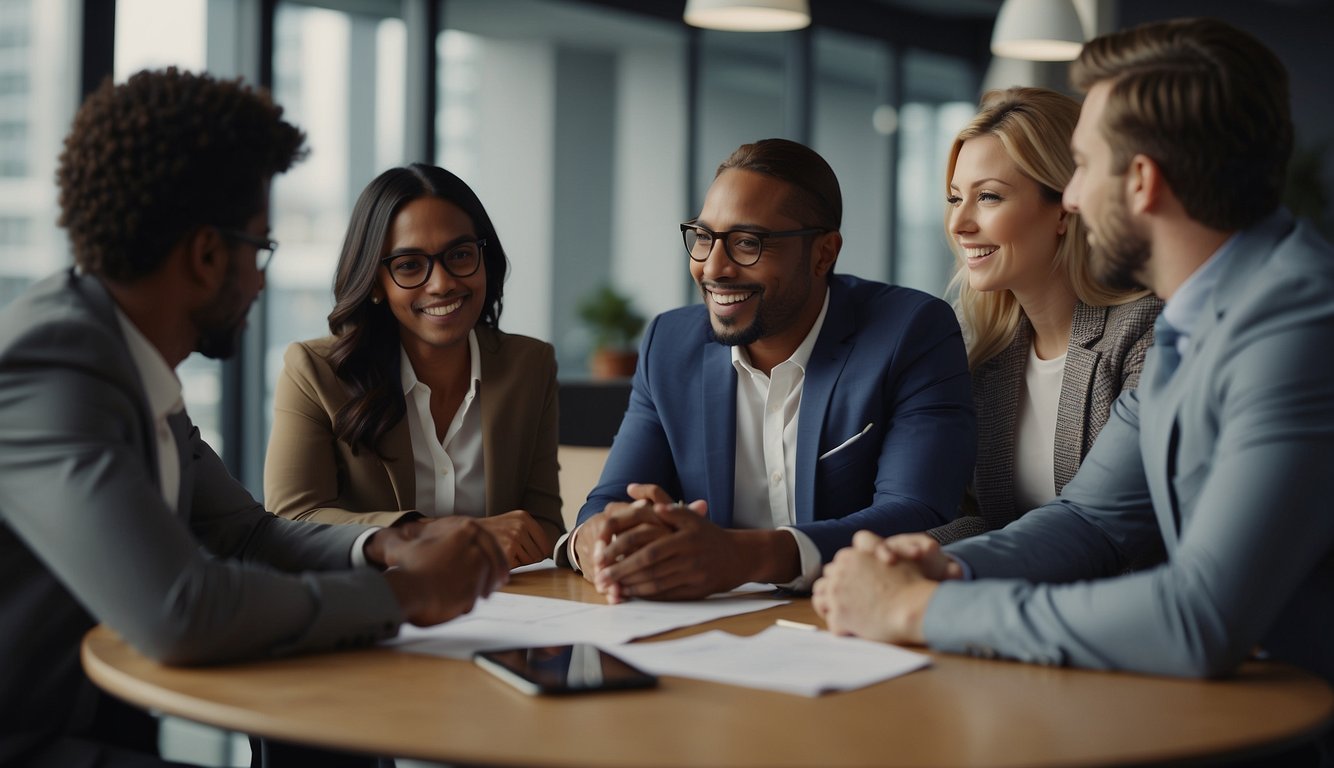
559, 669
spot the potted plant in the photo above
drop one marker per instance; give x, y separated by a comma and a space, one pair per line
615, 325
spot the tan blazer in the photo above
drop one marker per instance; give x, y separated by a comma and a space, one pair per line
1104, 357
311, 475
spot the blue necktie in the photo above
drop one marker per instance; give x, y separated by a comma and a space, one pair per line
1165, 337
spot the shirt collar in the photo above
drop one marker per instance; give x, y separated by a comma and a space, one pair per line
409, 376
801, 356
1183, 310
161, 385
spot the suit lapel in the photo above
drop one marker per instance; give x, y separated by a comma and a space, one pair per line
183, 432
1160, 402
836, 341
498, 474
717, 429
997, 391
401, 468
1081, 365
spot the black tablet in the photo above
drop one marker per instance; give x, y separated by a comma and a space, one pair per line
577, 668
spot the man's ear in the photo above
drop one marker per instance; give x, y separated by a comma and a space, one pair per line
827, 247
1145, 184
203, 256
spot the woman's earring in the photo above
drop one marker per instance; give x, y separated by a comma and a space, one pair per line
375, 299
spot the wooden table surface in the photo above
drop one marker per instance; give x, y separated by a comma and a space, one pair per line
960, 711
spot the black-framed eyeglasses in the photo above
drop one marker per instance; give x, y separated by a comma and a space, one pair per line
264, 247
744, 247
412, 270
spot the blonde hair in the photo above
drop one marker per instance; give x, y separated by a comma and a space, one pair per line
1034, 126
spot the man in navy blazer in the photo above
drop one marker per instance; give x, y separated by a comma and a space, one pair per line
1220, 459
792, 408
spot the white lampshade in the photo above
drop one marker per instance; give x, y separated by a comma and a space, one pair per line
1038, 30
748, 15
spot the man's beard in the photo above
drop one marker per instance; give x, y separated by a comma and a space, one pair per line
772, 315
221, 323
1119, 253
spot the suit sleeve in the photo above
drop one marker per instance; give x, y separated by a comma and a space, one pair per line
1237, 563
301, 465
640, 453
541, 496
926, 454
75, 487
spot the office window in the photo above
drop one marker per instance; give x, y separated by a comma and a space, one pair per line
38, 94
570, 124
340, 77
855, 120
743, 93
940, 98
152, 34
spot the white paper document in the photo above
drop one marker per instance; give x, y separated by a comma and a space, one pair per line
506, 620
778, 659
541, 565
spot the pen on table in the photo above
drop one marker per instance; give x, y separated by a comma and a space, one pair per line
796, 625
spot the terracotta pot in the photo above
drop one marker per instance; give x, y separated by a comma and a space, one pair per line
608, 363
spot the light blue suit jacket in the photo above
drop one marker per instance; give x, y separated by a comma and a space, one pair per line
888, 357
1226, 465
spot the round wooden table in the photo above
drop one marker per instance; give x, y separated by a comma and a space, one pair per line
960, 711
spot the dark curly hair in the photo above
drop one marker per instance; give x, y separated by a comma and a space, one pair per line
150, 161
366, 352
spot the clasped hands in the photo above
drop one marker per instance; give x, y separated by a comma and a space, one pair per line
437, 569
878, 589
655, 547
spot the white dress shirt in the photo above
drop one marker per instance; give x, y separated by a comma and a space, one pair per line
767, 413
163, 390
450, 475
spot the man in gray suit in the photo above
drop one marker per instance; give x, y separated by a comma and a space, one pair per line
112, 508
1223, 456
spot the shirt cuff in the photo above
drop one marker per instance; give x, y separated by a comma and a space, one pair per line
565, 546
359, 549
811, 562
963, 566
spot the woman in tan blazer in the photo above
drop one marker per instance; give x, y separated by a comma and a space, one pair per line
418, 405
1050, 348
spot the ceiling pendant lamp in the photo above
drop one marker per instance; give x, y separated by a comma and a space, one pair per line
1038, 30
748, 15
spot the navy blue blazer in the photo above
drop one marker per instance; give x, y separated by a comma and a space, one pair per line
888, 357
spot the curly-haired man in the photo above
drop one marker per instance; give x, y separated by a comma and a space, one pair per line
112, 508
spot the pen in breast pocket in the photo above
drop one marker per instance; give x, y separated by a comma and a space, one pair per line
847, 442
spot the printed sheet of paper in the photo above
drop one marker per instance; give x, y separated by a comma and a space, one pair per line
794, 661
542, 565
506, 620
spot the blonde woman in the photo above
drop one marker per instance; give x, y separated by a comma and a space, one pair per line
1049, 348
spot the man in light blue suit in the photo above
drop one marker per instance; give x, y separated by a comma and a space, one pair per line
792, 408
1221, 460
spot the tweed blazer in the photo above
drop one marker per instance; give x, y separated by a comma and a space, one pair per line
1105, 356
309, 474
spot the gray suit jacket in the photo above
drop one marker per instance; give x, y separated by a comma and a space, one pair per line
85, 535
1104, 357
1226, 465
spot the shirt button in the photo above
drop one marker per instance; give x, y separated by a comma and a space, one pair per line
776, 477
